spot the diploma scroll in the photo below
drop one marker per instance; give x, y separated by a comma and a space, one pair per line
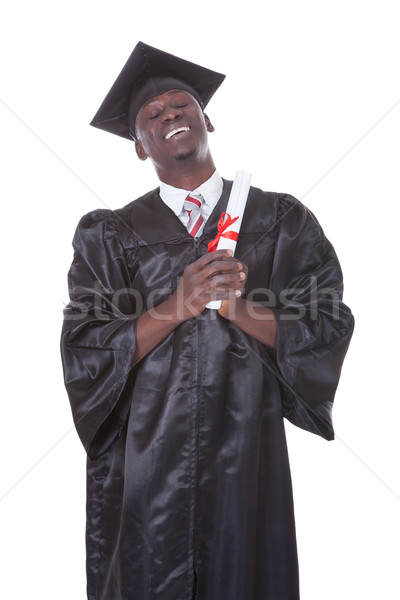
227, 237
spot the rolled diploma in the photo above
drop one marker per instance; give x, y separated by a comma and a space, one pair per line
236, 205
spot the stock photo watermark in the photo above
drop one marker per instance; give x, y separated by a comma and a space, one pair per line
291, 304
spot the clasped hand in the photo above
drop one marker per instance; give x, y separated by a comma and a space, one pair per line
215, 276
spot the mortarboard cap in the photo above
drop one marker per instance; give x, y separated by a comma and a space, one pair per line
147, 73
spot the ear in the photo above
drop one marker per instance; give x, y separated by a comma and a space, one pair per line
210, 126
140, 150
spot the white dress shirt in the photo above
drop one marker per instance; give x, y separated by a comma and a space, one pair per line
174, 198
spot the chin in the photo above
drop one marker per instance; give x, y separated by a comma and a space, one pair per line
185, 155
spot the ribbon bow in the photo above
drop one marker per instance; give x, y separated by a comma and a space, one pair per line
223, 225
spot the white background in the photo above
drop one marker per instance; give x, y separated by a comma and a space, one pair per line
310, 106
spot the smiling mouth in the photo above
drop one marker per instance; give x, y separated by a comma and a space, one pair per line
175, 131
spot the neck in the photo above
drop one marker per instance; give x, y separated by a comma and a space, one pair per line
188, 176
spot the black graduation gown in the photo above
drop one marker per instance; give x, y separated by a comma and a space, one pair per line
188, 487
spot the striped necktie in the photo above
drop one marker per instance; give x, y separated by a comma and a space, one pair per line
192, 205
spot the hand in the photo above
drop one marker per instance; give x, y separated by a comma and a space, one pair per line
214, 276
230, 307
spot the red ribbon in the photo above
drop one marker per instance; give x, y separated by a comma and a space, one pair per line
222, 227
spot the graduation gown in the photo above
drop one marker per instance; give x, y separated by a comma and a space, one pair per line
188, 482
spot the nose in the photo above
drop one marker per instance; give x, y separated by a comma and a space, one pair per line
170, 113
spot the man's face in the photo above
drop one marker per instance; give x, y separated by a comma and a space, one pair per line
171, 127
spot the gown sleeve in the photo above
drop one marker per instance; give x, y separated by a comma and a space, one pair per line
99, 333
314, 327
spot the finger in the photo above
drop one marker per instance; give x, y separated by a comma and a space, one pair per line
225, 295
212, 256
221, 266
228, 279
205, 260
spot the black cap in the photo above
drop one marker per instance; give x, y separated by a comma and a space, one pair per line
147, 73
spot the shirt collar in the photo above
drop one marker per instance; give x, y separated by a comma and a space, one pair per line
211, 191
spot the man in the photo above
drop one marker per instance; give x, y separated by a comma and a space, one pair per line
180, 407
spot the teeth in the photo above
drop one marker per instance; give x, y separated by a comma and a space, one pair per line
174, 131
